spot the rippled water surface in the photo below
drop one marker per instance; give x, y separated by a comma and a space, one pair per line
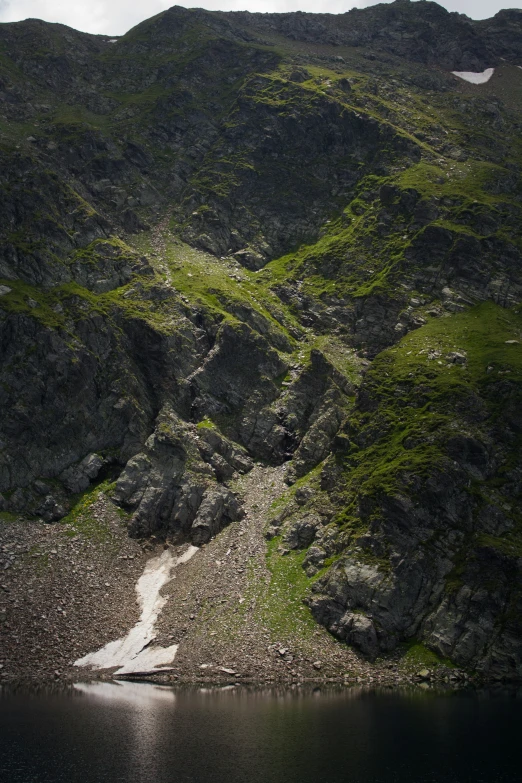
134, 732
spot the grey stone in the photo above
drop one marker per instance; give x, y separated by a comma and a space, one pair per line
457, 357
302, 532
78, 477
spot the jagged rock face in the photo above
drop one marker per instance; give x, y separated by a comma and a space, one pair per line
294, 154
230, 238
172, 485
427, 33
412, 549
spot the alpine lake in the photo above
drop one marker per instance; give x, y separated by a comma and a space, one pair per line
131, 732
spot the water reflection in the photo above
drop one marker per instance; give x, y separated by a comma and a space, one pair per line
143, 709
130, 732
136, 694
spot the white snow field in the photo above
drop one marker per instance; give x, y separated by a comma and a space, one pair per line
134, 653
475, 78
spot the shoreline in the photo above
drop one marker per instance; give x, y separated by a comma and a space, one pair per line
447, 680
33, 685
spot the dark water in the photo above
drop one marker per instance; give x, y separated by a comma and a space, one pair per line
145, 734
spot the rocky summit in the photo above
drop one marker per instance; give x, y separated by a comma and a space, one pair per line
261, 293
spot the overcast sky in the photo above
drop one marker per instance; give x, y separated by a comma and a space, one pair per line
115, 17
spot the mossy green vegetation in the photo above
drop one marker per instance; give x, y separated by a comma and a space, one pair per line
362, 253
470, 180
33, 301
274, 603
206, 424
73, 120
417, 398
419, 655
63, 305
281, 608
7, 518
490, 335
82, 520
220, 285
509, 544
101, 249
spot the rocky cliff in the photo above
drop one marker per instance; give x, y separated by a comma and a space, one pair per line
231, 239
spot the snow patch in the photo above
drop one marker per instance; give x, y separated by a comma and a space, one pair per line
112, 40
475, 78
134, 653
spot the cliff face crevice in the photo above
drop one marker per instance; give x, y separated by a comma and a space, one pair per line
231, 239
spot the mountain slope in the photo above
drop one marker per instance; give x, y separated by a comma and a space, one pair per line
293, 239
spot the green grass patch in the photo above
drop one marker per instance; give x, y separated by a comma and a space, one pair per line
206, 424
419, 399
75, 119
419, 655
6, 517
509, 544
53, 308
470, 181
222, 286
281, 607
33, 301
81, 519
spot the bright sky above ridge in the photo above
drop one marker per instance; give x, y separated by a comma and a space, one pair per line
115, 17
